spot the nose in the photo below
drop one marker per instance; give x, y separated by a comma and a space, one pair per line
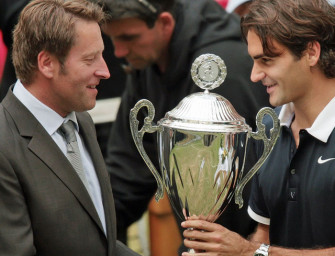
102, 71
256, 74
120, 49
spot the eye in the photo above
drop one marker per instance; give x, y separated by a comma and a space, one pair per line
89, 59
266, 60
127, 38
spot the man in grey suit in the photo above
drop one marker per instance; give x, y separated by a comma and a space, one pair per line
51, 204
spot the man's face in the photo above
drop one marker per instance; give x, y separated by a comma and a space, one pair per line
74, 85
133, 40
286, 77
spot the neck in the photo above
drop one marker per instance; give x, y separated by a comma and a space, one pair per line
163, 62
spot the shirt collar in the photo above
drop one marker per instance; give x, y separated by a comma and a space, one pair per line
286, 114
323, 125
46, 116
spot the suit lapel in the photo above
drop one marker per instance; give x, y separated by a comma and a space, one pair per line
43, 146
89, 136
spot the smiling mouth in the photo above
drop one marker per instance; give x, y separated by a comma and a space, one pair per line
92, 86
270, 85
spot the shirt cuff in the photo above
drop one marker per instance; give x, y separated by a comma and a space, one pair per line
258, 218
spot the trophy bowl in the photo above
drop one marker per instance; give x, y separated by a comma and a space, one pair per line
202, 146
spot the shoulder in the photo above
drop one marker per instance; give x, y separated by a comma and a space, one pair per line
7, 124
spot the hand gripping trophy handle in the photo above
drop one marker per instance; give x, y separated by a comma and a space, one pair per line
138, 139
268, 145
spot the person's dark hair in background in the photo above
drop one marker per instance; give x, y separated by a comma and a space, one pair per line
146, 10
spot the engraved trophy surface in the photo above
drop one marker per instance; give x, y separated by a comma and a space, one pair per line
202, 146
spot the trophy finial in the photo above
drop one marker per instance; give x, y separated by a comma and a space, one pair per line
208, 71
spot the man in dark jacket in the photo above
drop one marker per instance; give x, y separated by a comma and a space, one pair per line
160, 39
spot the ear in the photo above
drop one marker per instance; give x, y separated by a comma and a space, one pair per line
167, 22
46, 64
313, 52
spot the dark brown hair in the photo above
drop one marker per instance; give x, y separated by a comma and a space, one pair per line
294, 24
146, 10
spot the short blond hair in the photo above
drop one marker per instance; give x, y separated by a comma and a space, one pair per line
48, 25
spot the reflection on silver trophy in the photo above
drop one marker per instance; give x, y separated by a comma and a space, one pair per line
202, 146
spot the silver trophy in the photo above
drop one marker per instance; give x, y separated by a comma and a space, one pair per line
202, 146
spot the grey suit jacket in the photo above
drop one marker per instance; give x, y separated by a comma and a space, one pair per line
44, 207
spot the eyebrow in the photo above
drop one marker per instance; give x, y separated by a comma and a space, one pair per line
93, 53
126, 36
259, 56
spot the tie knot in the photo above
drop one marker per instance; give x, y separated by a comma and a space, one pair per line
67, 130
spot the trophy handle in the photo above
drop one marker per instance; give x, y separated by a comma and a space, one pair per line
268, 146
138, 139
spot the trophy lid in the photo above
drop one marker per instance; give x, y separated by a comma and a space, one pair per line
205, 111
